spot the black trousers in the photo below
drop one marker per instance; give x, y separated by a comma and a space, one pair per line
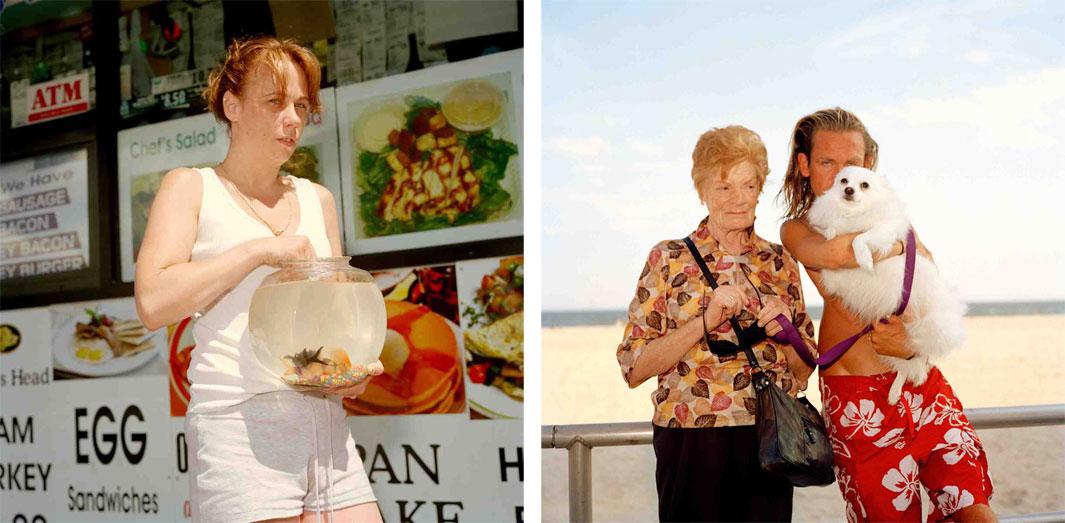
712, 474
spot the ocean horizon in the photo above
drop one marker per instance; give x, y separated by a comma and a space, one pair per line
581, 318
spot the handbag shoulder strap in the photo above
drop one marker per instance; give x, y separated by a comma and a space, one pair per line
713, 285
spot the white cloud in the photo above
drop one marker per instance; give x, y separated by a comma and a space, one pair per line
645, 148
871, 33
977, 57
912, 30
578, 148
1024, 113
591, 168
671, 168
901, 33
913, 47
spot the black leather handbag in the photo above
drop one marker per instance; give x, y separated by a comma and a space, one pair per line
792, 439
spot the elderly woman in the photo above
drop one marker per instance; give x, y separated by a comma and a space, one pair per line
704, 434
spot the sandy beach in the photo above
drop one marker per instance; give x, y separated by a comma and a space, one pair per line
1008, 360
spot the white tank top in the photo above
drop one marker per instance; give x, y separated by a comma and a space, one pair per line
224, 370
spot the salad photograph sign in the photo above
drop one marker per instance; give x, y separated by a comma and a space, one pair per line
433, 157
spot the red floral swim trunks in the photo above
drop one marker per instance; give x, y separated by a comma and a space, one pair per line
884, 453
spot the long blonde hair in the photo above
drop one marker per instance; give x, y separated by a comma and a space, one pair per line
796, 191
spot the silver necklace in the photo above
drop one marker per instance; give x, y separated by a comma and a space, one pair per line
277, 232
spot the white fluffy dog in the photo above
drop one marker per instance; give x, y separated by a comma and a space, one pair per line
861, 201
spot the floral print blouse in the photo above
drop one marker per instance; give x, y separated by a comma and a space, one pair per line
703, 389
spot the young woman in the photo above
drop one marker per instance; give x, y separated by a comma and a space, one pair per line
257, 449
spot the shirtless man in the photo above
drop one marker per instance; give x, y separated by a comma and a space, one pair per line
883, 452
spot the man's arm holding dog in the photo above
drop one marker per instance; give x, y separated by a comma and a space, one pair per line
815, 252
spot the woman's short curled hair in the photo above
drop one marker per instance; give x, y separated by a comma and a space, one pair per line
719, 150
245, 55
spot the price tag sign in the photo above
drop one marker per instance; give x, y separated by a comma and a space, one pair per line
175, 99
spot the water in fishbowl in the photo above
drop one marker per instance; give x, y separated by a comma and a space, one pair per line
317, 334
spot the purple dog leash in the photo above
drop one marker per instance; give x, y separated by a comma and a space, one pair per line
790, 334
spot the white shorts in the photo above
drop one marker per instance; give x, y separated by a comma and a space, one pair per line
260, 459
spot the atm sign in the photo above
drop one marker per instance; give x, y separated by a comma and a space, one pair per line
58, 98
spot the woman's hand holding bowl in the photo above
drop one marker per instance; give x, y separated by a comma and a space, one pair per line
353, 391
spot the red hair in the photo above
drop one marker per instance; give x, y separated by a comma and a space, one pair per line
719, 150
245, 55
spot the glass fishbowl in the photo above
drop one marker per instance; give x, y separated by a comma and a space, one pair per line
317, 324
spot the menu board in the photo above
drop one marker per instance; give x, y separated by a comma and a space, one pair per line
26, 443
44, 215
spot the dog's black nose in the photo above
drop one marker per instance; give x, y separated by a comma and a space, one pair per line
848, 191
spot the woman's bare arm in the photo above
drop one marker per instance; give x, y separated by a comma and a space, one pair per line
661, 354
812, 250
168, 287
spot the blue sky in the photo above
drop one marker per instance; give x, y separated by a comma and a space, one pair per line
967, 102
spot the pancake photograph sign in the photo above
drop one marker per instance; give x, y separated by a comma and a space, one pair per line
423, 346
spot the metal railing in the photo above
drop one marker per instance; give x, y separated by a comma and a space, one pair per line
579, 440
